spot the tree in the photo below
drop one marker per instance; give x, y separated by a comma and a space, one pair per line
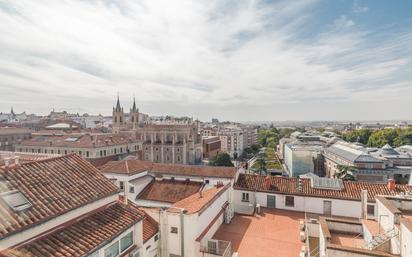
221, 159
345, 173
262, 163
382, 137
361, 136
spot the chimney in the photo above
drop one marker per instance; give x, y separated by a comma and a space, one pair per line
267, 183
391, 184
7, 162
16, 161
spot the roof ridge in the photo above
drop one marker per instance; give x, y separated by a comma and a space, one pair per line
127, 166
45, 160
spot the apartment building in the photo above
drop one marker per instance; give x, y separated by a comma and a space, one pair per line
96, 148
189, 202
232, 141
64, 206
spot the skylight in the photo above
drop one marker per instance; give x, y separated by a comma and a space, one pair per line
16, 200
71, 139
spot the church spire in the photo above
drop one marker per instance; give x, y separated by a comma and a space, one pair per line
134, 108
118, 108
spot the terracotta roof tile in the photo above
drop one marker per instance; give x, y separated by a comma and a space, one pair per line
53, 186
350, 191
79, 140
129, 167
150, 228
194, 170
168, 190
84, 236
196, 202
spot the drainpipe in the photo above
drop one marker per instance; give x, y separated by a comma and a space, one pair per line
182, 228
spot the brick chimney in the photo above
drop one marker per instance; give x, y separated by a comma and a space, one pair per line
391, 184
267, 183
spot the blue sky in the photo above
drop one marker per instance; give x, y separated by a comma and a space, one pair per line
234, 60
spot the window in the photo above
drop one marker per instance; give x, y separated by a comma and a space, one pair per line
87, 154
207, 181
156, 238
290, 201
131, 189
112, 251
371, 210
245, 197
126, 241
121, 185
16, 200
173, 230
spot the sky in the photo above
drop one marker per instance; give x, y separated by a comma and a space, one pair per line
233, 60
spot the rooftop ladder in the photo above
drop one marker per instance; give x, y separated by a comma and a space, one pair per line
381, 239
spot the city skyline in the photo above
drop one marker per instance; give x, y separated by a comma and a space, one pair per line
249, 61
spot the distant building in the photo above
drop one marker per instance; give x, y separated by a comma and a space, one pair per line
97, 148
232, 141
366, 165
211, 146
10, 137
164, 139
301, 158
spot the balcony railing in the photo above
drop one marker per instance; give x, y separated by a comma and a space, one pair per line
213, 248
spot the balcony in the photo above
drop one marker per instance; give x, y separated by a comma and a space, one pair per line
213, 248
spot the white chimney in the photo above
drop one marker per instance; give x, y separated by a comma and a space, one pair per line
7, 162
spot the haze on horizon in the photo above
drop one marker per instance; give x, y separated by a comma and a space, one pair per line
234, 60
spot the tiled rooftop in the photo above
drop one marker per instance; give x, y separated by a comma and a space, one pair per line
351, 190
79, 140
194, 170
53, 187
128, 167
135, 166
197, 202
86, 235
170, 191
273, 233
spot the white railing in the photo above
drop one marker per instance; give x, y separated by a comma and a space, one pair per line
245, 208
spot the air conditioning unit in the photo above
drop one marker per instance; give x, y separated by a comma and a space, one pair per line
258, 208
135, 253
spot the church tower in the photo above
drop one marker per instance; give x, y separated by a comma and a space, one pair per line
118, 117
134, 115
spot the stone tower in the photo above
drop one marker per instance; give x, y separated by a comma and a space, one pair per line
118, 117
134, 115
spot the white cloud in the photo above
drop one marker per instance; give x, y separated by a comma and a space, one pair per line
343, 22
357, 8
78, 54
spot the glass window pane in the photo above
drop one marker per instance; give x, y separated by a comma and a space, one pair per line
112, 251
126, 241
